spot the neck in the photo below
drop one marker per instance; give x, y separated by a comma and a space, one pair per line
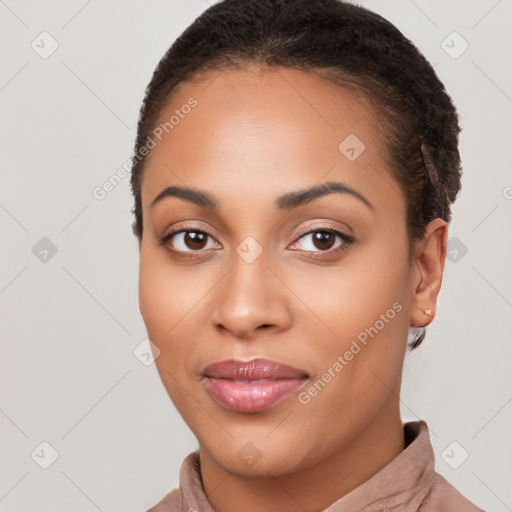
313, 488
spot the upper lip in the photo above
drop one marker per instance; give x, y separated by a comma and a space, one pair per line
254, 369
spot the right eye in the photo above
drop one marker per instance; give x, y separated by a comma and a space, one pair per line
187, 241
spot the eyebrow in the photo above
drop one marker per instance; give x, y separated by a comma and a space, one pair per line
286, 201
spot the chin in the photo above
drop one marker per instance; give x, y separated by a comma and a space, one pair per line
258, 458
275, 465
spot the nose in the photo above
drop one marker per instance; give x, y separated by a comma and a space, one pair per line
251, 300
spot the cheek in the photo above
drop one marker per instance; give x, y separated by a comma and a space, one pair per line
165, 300
165, 294
155, 298
172, 301
360, 314
347, 299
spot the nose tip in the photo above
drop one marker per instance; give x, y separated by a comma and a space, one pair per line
251, 301
244, 330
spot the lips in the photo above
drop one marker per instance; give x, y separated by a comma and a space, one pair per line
255, 369
251, 386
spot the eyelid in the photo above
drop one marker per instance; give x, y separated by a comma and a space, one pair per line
190, 226
308, 231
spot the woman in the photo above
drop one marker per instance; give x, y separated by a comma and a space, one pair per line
294, 168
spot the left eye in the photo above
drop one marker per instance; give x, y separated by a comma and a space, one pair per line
323, 240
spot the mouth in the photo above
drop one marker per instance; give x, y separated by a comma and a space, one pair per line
251, 386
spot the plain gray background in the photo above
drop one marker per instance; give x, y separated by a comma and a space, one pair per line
70, 320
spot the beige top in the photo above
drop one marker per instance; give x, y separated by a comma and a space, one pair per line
408, 483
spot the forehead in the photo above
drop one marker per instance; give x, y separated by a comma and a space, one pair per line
256, 131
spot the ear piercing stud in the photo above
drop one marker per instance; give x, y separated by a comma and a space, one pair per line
429, 312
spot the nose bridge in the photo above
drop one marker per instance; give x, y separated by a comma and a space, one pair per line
251, 296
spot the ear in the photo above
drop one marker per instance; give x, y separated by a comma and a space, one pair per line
139, 241
136, 234
428, 267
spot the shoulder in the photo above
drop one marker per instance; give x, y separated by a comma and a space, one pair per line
444, 496
170, 503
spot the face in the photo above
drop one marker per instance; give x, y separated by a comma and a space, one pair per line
320, 282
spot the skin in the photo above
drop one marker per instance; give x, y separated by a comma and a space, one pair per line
256, 134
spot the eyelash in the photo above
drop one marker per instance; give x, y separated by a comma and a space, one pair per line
347, 241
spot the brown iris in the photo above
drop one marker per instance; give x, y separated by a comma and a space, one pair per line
323, 240
195, 239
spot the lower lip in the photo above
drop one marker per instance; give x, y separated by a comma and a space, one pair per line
253, 396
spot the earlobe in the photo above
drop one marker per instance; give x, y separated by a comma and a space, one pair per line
429, 260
